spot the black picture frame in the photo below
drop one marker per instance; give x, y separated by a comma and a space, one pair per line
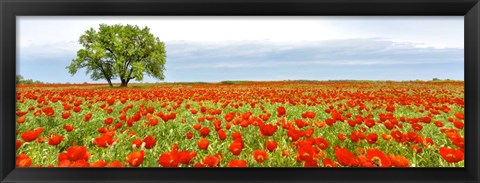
9, 9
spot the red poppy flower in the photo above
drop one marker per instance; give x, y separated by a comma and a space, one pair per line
236, 135
197, 165
21, 113
390, 108
135, 158
321, 143
439, 124
23, 160
397, 135
417, 126
352, 123
460, 116
137, 142
48, 111
451, 155
217, 124
294, 135
354, 136
204, 132
102, 130
456, 139
76, 153
429, 141
399, 161
237, 163
260, 155
168, 160
108, 121
281, 111
411, 136
372, 138
104, 139
77, 109
363, 161
210, 161
267, 130
236, 148
327, 162
229, 116
99, 163
193, 111
80, 163
271, 145
37, 113
172, 116
66, 114
458, 124
197, 126
310, 114
344, 157
378, 158
153, 122
416, 149
87, 117
341, 137
55, 140
310, 163
68, 128
150, 110
149, 142
189, 135
386, 136
300, 123
115, 163
31, 135
21, 119
203, 144
222, 135
18, 144
64, 163
185, 157
285, 153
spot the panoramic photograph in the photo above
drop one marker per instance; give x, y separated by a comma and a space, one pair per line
240, 91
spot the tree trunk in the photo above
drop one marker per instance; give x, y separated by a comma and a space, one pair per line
124, 83
110, 83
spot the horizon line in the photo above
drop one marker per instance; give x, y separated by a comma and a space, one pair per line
223, 81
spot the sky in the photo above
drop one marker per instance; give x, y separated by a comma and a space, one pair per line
261, 48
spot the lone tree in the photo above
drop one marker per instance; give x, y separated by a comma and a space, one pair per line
118, 51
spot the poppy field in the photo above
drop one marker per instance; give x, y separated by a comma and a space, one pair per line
244, 124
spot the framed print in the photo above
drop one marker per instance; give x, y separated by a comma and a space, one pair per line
188, 91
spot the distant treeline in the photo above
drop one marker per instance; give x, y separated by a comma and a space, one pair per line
305, 81
20, 80
347, 80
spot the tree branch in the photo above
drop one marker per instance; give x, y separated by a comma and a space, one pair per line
111, 52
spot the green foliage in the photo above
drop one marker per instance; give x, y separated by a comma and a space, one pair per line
20, 80
236, 82
118, 51
442, 80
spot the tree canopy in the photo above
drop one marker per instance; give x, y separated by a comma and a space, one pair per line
120, 51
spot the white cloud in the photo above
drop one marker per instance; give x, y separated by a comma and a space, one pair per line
430, 31
250, 54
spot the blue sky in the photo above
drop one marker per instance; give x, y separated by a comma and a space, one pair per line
213, 49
